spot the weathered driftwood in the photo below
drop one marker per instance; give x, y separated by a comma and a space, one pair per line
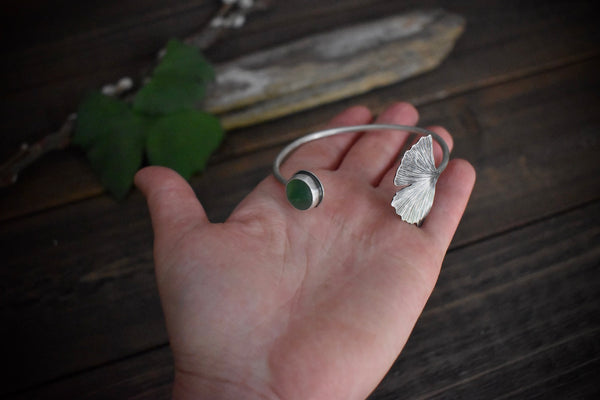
331, 66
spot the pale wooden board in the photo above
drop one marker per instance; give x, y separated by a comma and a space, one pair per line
326, 67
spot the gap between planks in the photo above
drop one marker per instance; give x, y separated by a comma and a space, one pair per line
534, 276
455, 247
517, 360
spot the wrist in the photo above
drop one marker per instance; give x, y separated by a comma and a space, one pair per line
188, 386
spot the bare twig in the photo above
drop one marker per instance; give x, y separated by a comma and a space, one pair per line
9, 171
211, 32
231, 15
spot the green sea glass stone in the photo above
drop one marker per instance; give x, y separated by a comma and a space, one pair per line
299, 194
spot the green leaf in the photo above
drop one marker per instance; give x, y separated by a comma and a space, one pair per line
166, 94
184, 60
162, 120
112, 136
183, 141
178, 82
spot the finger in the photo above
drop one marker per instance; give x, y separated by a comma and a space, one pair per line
437, 149
387, 181
174, 207
374, 152
320, 154
326, 153
452, 193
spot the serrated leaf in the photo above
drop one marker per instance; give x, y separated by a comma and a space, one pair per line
183, 141
112, 136
166, 94
178, 82
184, 60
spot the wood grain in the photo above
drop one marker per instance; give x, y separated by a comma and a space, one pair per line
145, 376
503, 322
510, 312
85, 270
498, 47
331, 66
515, 312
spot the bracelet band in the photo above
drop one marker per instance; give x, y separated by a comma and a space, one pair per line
417, 172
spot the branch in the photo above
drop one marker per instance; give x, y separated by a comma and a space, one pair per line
9, 171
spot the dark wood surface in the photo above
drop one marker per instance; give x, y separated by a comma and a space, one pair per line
515, 313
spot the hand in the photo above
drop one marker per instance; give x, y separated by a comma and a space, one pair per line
277, 303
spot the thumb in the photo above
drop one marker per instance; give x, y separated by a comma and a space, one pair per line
174, 207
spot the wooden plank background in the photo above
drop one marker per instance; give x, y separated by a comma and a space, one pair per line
516, 311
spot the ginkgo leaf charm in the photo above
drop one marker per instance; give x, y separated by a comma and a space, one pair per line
418, 174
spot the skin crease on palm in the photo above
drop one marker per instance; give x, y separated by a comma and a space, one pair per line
278, 303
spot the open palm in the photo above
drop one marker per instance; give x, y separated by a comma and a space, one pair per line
277, 303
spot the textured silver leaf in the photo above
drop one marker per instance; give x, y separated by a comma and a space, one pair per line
418, 174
